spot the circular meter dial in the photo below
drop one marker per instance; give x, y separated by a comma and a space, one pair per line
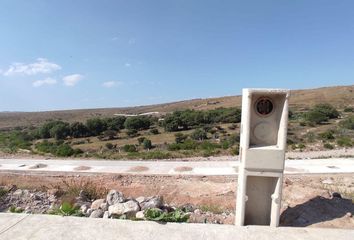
264, 106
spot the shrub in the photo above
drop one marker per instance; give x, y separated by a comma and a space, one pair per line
326, 109
199, 134
327, 135
180, 137
348, 109
67, 209
315, 117
347, 123
344, 142
109, 146
141, 140
64, 150
147, 144
208, 145
132, 132
129, 148
154, 131
155, 155
328, 146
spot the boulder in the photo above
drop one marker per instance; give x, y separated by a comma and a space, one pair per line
140, 199
152, 202
140, 215
104, 206
106, 214
97, 203
128, 208
98, 213
114, 197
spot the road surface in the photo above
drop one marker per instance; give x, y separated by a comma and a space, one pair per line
207, 168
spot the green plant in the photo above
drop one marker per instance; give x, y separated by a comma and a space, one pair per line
327, 135
328, 146
199, 134
326, 109
147, 144
347, 123
155, 214
141, 140
3, 192
154, 131
180, 137
15, 209
129, 148
109, 146
132, 132
344, 142
348, 109
67, 209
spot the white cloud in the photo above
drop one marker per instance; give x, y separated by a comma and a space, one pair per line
110, 84
127, 65
72, 80
41, 65
47, 81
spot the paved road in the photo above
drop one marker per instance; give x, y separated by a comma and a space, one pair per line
313, 166
38, 227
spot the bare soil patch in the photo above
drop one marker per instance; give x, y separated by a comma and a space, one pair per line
138, 169
82, 168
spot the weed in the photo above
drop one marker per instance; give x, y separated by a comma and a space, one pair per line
211, 208
67, 209
155, 214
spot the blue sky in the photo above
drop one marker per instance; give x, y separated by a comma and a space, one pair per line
87, 54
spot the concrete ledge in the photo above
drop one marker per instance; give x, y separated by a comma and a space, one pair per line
38, 227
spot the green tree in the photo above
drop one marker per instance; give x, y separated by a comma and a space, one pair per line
78, 129
137, 123
96, 126
115, 123
60, 131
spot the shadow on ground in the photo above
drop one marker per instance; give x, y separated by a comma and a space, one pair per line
316, 210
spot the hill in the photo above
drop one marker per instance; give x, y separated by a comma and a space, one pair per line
338, 96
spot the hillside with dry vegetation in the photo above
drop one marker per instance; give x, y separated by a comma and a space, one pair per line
319, 119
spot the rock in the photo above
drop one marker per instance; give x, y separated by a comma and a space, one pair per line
140, 215
336, 195
114, 197
197, 211
128, 208
106, 214
104, 206
84, 208
98, 213
116, 209
97, 203
19, 209
288, 181
152, 202
328, 181
349, 214
83, 196
140, 199
89, 211
18, 193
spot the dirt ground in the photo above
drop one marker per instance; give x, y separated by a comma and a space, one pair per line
308, 200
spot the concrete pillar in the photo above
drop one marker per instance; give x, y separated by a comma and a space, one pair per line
262, 153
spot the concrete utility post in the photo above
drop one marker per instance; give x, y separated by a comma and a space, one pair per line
262, 153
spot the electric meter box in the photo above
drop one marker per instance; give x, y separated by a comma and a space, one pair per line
262, 154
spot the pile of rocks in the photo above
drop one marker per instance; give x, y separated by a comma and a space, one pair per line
115, 205
27, 201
